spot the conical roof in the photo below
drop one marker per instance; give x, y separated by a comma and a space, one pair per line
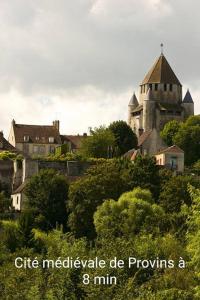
133, 101
188, 97
161, 72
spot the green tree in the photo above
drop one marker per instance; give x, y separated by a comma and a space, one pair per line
174, 193
25, 227
175, 199
132, 213
108, 180
187, 138
193, 236
103, 181
5, 203
99, 144
47, 194
193, 121
144, 173
125, 138
169, 131
196, 167
10, 235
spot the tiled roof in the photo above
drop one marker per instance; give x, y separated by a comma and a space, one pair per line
142, 138
161, 72
38, 134
75, 140
172, 149
5, 145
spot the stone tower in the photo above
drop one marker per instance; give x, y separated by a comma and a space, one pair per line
133, 103
188, 104
160, 99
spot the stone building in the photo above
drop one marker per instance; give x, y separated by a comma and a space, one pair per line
34, 140
171, 158
160, 100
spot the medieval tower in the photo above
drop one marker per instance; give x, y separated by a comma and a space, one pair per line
160, 100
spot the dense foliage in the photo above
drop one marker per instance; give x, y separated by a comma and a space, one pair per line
47, 195
185, 135
118, 209
125, 138
99, 144
169, 131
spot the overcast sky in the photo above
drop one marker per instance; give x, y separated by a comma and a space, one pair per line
79, 61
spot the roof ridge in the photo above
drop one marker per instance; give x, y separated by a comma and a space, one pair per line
34, 125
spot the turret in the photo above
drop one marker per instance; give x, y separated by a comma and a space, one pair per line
133, 103
188, 105
148, 111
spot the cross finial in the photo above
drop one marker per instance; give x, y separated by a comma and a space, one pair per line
161, 46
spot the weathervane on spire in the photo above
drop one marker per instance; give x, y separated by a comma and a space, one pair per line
161, 46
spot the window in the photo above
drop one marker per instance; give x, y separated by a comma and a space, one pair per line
17, 200
41, 149
170, 87
26, 138
52, 149
51, 139
156, 86
173, 162
165, 87
35, 149
150, 86
37, 138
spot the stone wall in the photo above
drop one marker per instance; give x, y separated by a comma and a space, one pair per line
67, 168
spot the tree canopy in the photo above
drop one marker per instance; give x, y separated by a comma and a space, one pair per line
133, 212
186, 135
47, 194
125, 138
99, 144
169, 131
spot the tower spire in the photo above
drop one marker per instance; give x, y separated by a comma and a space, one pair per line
161, 48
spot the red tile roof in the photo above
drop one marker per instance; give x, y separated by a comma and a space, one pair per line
173, 149
142, 138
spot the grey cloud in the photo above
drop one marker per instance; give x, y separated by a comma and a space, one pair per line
49, 45
55, 54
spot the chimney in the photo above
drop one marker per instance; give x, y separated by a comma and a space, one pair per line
13, 122
56, 124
